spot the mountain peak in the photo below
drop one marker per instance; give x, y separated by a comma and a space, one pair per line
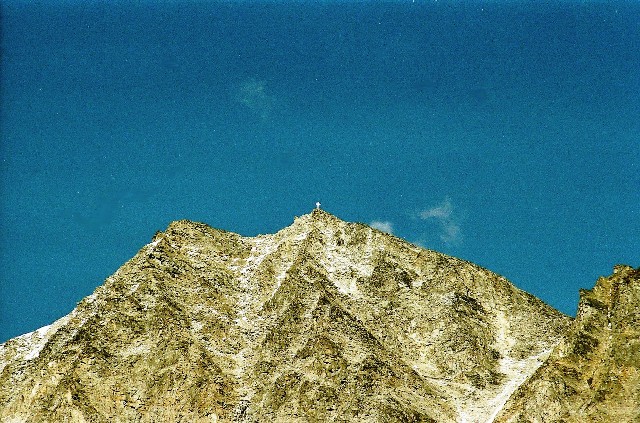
317, 216
323, 320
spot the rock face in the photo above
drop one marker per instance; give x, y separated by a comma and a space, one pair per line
322, 321
594, 374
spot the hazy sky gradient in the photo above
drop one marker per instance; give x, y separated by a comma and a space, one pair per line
504, 133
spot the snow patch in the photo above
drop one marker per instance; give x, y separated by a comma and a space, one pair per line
348, 287
38, 339
261, 248
343, 268
250, 296
504, 342
473, 409
448, 299
28, 346
150, 246
197, 326
517, 371
136, 349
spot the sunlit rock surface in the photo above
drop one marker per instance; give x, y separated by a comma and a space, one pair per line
594, 374
322, 321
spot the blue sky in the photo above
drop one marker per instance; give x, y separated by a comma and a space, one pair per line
504, 133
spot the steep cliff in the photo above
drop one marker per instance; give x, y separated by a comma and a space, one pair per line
322, 321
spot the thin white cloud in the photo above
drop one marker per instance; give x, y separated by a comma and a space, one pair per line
441, 211
253, 93
382, 226
443, 214
452, 232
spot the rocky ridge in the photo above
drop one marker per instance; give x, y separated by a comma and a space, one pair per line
323, 321
594, 373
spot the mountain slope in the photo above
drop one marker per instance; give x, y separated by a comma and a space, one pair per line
323, 321
594, 374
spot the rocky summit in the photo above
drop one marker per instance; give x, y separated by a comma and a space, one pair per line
323, 321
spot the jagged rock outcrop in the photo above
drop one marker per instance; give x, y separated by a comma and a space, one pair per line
594, 374
322, 321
